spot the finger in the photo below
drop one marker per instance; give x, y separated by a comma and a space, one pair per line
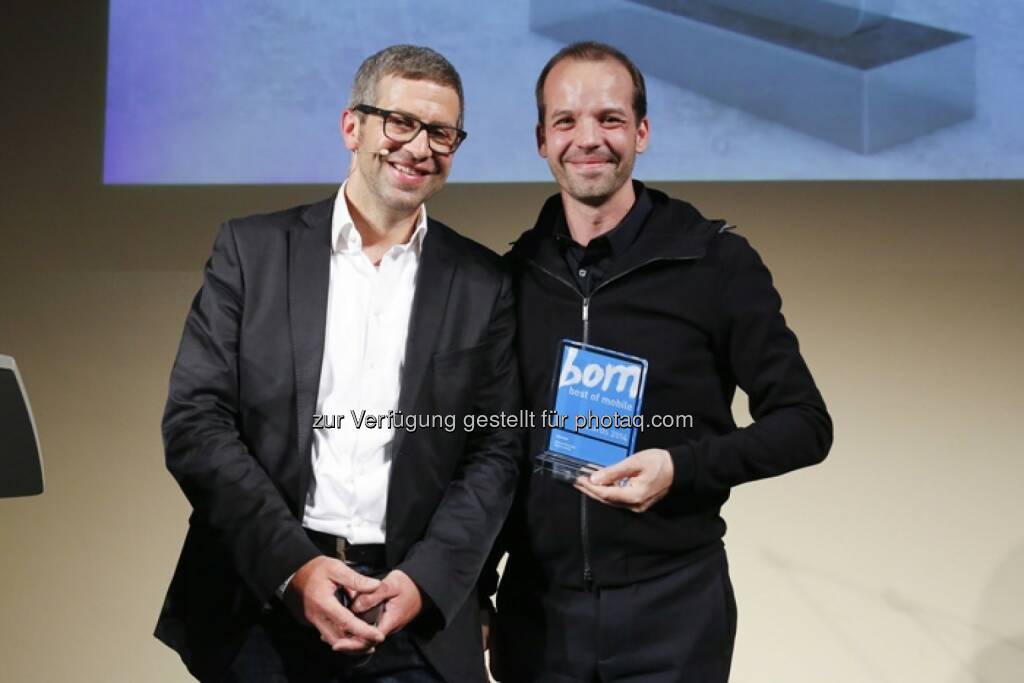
608, 492
350, 644
620, 470
367, 601
330, 633
346, 624
352, 580
585, 487
391, 618
628, 495
598, 495
614, 495
596, 492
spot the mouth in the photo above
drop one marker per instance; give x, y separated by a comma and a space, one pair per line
590, 164
407, 174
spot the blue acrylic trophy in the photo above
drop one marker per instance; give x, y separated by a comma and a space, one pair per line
596, 410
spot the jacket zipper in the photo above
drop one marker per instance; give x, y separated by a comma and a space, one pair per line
588, 574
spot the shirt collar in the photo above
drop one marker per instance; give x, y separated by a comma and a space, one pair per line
622, 235
346, 239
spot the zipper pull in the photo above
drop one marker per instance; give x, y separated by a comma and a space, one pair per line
586, 319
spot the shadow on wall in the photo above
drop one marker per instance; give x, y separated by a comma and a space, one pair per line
809, 585
999, 625
986, 649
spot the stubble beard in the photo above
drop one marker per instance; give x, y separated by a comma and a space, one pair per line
593, 190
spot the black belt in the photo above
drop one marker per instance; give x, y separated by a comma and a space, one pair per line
370, 555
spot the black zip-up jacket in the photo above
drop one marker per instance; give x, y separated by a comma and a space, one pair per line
696, 301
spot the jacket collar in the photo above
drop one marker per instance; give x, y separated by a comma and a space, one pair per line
674, 230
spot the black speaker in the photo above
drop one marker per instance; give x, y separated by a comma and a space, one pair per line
21, 466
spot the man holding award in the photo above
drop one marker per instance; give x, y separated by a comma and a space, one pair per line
641, 317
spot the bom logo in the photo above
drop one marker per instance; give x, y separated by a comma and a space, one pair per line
593, 375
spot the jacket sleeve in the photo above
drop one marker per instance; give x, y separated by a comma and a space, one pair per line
447, 561
229, 490
791, 427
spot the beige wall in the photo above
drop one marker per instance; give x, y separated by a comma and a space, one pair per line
899, 559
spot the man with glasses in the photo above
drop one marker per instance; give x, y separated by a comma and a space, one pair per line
337, 530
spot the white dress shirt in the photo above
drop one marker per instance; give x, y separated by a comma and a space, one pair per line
368, 310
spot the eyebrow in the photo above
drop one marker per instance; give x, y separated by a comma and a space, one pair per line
431, 123
600, 112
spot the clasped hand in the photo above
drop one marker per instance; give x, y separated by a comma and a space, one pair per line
311, 598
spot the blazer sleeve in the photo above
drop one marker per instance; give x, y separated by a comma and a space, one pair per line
446, 562
791, 427
229, 490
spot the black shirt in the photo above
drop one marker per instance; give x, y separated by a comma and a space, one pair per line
590, 265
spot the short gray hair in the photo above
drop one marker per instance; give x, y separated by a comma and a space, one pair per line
404, 61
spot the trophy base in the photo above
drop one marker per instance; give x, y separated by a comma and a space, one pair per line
563, 468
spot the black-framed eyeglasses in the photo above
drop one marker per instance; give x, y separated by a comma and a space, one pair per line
402, 127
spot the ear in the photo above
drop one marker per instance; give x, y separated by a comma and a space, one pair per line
542, 143
643, 134
349, 126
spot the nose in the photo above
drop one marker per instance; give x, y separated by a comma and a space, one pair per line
419, 146
588, 133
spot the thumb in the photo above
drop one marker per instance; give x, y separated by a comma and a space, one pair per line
364, 602
613, 473
389, 620
353, 580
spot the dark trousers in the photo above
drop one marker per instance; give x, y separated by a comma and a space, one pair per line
676, 628
268, 656
278, 649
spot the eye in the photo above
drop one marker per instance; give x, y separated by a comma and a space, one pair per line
563, 122
443, 134
399, 123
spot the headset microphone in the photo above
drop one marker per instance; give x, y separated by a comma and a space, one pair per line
384, 152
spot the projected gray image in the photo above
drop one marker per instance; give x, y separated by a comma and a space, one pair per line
843, 71
249, 91
836, 18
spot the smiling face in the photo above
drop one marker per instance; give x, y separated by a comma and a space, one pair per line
590, 134
399, 182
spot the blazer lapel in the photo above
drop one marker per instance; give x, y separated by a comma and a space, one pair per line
309, 271
433, 284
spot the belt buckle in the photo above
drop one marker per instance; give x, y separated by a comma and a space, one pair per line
340, 544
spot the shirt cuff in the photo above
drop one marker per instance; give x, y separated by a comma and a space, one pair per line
283, 587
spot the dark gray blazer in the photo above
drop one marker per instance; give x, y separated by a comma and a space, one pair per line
238, 427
